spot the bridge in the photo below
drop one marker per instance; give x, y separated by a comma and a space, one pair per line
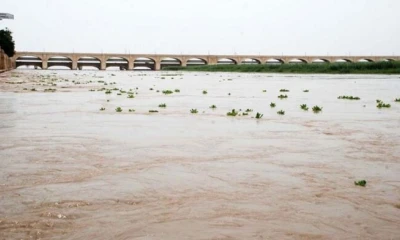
102, 61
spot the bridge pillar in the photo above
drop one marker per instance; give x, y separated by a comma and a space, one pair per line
74, 64
130, 64
102, 65
158, 65
44, 64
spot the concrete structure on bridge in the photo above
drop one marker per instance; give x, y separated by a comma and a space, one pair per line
75, 61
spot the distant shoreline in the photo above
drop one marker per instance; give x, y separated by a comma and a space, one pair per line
327, 68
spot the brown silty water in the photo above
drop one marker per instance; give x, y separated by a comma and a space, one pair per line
71, 171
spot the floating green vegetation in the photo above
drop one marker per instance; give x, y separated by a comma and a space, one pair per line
317, 109
33, 89
166, 92
249, 110
205, 92
349, 97
304, 107
229, 94
158, 91
163, 105
284, 90
361, 183
213, 106
50, 90
272, 105
383, 105
153, 111
232, 113
121, 91
151, 89
259, 115
245, 114
119, 94
102, 109
108, 91
118, 109
108, 100
92, 90
131, 96
282, 96
281, 112
306, 90
397, 100
378, 100
131, 110
194, 111
162, 77
264, 90
177, 90
25, 89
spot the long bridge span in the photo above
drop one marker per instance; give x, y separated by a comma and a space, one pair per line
74, 61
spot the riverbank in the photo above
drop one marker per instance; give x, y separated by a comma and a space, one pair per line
6, 63
328, 68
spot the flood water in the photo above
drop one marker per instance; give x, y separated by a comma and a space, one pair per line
71, 171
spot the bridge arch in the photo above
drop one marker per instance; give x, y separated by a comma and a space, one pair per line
29, 61
274, 61
196, 62
343, 60
364, 60
251, 61
170, 62
91, 62
59, 62
120, 63
297, 61
320, 60
144, 64
227, 61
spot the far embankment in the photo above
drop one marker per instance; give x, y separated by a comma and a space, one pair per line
392, 67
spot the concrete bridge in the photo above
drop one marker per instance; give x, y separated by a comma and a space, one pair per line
102, 61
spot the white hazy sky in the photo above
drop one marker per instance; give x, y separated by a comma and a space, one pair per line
309, 27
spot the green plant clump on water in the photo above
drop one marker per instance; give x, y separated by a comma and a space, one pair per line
361, 183
264, 90
349, 97
50, 90
166, 92
131, 110
272, 105
249, 110
108, 91
284, 90
304, 107
102, 109
131, 96
177, 90
151, 89
163, 105
245, 114
232, 113
153, 111
383, 105
282, 96
118, 109
193, 111
281, 112
259, 115
213, 106
397, 100
317, 109
33, 89
306, 90
390, 67
205, 92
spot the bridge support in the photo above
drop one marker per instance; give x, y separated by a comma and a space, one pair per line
130, 64
158, 65
44, 64
74, 64
103, 65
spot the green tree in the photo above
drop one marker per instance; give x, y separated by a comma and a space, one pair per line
7, 42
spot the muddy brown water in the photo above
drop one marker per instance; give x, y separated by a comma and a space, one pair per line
71, 171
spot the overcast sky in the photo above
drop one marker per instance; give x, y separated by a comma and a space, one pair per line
309, 27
